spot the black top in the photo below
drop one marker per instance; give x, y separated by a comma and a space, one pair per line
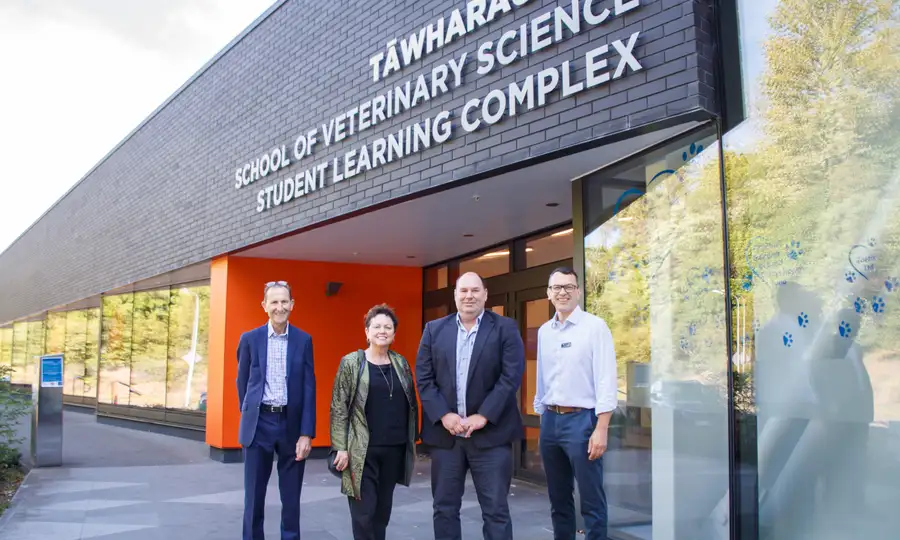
386, 413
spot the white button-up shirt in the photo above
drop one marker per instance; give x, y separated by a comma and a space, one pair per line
576, 364
275, 391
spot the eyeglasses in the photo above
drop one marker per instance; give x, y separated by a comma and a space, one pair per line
284, 284
559, 288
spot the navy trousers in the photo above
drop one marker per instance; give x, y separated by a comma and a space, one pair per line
564, 452
492, 475
271, 439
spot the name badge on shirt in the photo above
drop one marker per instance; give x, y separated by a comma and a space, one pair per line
566, 345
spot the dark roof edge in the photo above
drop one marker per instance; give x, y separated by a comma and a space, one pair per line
272, 9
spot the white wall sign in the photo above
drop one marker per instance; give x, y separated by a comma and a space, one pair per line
604, 63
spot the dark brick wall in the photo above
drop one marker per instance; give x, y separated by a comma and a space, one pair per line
166, 198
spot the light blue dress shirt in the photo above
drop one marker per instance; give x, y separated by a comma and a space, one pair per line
576, 364
275, 391
465, 342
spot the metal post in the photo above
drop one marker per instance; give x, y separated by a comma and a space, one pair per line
46, 419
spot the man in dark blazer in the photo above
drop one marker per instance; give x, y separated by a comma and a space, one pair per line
277, 392
468, 370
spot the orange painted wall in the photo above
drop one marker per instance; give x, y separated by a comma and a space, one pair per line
335, 323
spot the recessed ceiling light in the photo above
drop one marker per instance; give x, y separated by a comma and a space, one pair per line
552, 204
468, 235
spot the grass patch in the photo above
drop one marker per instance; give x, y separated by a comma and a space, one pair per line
10, 479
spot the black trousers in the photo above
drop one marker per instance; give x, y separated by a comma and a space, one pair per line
382, 471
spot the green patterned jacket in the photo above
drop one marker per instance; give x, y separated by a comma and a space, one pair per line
358, 441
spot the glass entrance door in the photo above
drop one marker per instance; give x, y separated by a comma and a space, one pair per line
533, 310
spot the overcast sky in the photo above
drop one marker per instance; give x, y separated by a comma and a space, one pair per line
79, 75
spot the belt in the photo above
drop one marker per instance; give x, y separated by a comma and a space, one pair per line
272, 408
562, 409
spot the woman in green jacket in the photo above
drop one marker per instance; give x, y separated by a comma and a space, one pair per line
375, 436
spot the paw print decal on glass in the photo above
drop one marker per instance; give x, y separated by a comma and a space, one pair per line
747, 282
891, 283
850, 277
845, 329
787, 339
859, 305
803, 320
878, 304
692, 153
872, 242
793, 250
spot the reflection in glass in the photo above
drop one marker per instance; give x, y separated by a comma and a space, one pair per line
436, 278
537, 312
19, 352
556, 246
75, 334
91, 354
55, 338
115, 351
813, 192
437, 312
149, 350
491, 263
6, 346
653, 272
35, 349
187, 353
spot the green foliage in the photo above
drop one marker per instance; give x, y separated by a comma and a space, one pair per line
821, 167
812, 173
14, 404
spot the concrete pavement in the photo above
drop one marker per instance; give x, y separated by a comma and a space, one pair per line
124, 484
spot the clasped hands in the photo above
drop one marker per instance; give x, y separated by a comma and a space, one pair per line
457, 425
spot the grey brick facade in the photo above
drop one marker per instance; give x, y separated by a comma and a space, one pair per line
165, 198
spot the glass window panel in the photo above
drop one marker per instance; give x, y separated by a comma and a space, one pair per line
437, 312
91, 353
6, 346
19, 352
436, 278
653, 258
75, 336
188, 346
551, 248
55, 338
537, 312
35, 349
115, 351
149, 349
491, 263
813, 191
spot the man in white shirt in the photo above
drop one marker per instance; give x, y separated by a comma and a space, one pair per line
575, 396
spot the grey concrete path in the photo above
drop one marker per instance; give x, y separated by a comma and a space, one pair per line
124, 484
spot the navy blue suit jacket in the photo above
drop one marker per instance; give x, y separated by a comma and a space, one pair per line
495, 375
301, 382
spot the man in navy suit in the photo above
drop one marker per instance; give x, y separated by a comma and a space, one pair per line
277, 392
468, 370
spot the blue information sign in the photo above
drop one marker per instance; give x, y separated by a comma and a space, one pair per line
52, 371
